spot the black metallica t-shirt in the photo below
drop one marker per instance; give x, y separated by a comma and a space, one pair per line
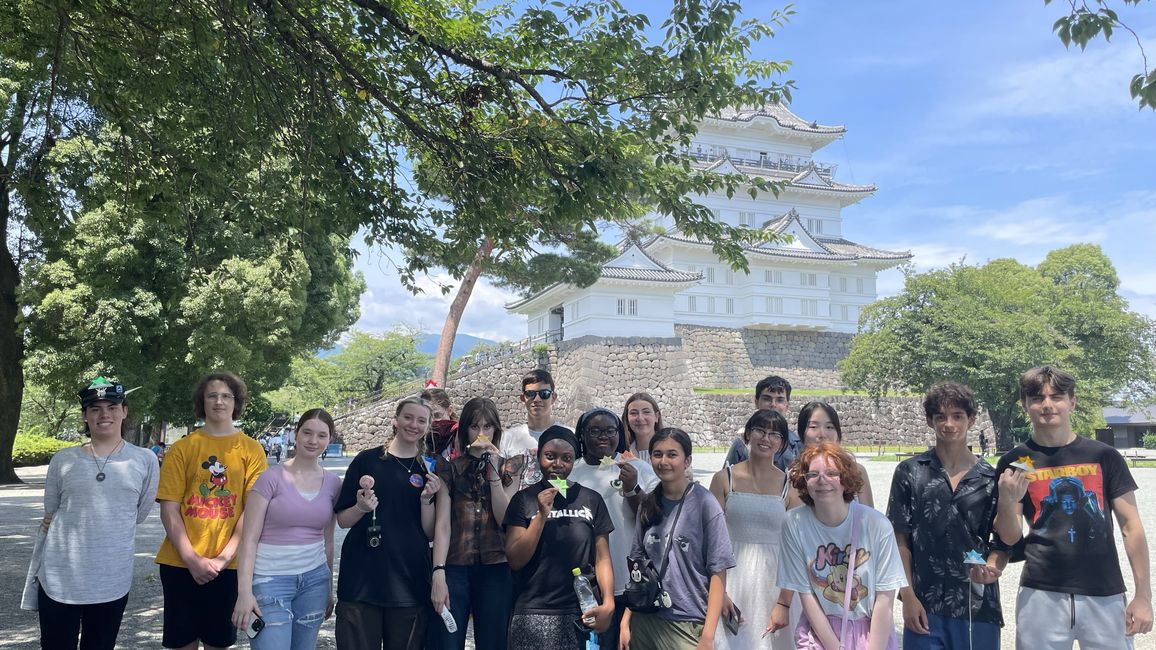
546, 584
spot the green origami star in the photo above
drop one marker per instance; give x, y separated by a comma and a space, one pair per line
561, 484
100, 382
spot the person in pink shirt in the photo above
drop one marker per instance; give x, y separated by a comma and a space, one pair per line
285, 563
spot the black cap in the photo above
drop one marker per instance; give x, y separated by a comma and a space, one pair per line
101, 389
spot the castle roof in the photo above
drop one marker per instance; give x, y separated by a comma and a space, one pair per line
803, 245
633, 265
783, 117
810, 179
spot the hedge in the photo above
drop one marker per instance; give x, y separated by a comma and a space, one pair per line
30, 450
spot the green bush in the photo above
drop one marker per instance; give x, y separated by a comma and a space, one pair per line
1149, 440
32, 450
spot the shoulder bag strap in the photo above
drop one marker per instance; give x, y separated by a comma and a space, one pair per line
850, 586
673, 526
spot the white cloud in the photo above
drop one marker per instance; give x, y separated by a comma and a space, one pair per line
387, 304
1072, 82
1045, 220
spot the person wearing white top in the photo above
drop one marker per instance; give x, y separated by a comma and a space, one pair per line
538, 396
623, 482
81, 567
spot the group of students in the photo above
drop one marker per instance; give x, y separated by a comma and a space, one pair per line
452, 521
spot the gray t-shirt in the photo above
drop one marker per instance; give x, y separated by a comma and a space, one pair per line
87, 554
701, 548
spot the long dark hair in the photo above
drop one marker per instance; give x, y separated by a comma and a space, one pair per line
478, 408
809, 410
650, 513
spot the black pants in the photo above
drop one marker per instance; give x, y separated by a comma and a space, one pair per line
96, 625
361, 626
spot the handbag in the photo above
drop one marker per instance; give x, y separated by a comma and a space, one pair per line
644, 592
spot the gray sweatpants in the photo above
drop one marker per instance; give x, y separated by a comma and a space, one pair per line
1051, 620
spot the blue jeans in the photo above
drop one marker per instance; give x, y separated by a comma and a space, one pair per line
952, 634
293, 608
486, 590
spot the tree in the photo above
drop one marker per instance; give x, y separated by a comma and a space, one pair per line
985, 325
288, 118
366, 364
154, 230
1085, 23
369, 363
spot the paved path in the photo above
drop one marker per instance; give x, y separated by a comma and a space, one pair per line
22, 506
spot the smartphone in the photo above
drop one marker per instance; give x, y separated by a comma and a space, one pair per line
732, 621
255, 627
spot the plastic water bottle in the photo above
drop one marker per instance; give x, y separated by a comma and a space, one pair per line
585, 593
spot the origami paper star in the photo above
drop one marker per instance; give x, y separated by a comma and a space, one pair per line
1025, 463
606, 463
561, 484
973, 557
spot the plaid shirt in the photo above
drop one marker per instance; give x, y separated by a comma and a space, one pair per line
476, 535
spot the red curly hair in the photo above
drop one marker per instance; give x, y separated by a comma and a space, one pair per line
848, 470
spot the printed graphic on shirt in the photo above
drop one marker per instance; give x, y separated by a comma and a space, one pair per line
214, 500
568, 513
828, 573
1069, 506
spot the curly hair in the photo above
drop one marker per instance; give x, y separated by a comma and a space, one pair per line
848, 470
235, 384
947, 394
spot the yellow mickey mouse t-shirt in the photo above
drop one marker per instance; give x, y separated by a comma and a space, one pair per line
209, 476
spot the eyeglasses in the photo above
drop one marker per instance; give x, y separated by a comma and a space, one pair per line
765, 433
774, 400
830, 475
608, 432
544, 394
223, 397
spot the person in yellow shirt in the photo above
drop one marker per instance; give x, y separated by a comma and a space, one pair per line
203, 484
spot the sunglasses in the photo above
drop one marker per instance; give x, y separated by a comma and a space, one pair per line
544, 394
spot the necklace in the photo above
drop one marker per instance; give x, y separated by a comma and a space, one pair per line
415, 479
100, 475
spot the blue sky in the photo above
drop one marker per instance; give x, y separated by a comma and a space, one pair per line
985, 137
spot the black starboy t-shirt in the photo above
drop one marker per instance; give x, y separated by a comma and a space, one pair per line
546, 584
1070, 548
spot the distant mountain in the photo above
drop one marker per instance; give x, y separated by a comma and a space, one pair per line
463, 343
428, 344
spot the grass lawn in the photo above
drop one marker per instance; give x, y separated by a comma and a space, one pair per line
798, 392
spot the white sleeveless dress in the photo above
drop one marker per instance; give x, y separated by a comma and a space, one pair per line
755, 523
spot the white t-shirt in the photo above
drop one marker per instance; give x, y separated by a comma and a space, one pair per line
521, 440
625, 520
813, 558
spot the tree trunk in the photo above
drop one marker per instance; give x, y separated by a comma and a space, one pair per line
457, 308
11, 343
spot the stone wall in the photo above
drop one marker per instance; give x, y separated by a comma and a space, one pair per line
740, 358
594, 371
890, 421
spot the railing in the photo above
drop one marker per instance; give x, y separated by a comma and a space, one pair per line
780, 163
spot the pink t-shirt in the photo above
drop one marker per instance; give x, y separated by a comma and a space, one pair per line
291, 519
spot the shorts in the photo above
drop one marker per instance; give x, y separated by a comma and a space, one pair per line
195, 611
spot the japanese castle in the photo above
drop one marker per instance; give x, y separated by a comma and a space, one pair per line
813, 280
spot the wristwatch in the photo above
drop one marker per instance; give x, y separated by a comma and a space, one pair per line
631, 493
